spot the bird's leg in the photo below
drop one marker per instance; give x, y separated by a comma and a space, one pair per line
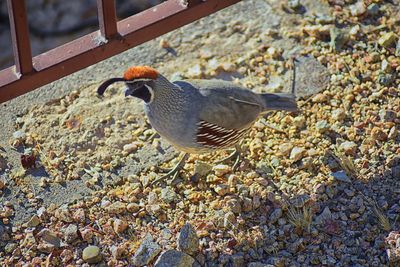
236, 155
174, 171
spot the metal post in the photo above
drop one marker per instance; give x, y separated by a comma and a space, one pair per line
107, 18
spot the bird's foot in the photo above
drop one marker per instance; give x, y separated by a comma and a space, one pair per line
172, 173
235, 155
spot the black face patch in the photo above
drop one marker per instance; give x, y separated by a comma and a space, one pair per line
139, 89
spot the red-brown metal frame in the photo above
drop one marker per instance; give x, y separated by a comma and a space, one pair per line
112, 38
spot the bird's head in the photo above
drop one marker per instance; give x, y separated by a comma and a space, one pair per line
141, 82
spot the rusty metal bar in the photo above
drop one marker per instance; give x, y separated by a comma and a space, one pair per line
91, 48
107, 18
20, 36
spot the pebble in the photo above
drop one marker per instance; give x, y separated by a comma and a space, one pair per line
234, 205
19, 134
378, 134
385, 66
116, 208
373, 9
132, 207
341, 176
338, 114
202, 168
285, 148
221, 189
229, 219
326, 214
91, 254
297, 153
188, 241
49, 237
71, 233
358, 8
387, 39
168, 195
129, 148
349, 147
2, 184
221, 169
322, 126
33, 221
146, 252
275, 215
120, 226
174, 258
320, 98
195, 71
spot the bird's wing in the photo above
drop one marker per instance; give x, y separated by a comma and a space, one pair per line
226, 104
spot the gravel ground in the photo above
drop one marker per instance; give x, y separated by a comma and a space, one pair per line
316, 188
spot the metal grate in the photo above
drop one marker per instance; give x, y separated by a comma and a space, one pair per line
112, 38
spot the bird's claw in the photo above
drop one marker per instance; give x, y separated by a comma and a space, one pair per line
173, 173
234, 155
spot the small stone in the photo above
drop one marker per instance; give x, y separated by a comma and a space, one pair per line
385, 66
202, 168
320, 98
358, 8
188, 240
387, 39
247, 204
338, 39
195, 71
116, 208
120, 226
326, 214
299, 122
129, 148
228, 67
10, 247
168, 195
297, 153
386, 79
318, 31
397, 52
221, 169
393, 132
373, 9
147, 251
229, 220
79, 215
341, 176
164, 44
221, 189
91, 254
285, 148
338, 114
174, 258
71, 233
274, 52
19, 134
349, 148
86, 235
34, 221
234, 206
275, 215
117, 252
132, 207
378, 134
49, 237
294, 4
322, 126
206, 53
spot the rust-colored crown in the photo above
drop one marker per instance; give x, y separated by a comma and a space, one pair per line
140, 72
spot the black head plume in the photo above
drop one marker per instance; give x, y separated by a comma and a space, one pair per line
102, 88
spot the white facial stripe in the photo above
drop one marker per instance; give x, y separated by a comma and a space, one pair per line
151, 93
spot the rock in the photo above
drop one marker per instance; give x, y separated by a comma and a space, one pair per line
285, 148
49, 237
168, 195
147, 251
91, 254
10, 247
386, 67
338, 114
349, 147
373, 9
129, 148
358, 8
275, 215
195, 71
221, 189
229, 219
297, 153
2, 184
19, 134
322, 126
132, 207
201, 168
234, 205
326, 214
118, 252
71, 233
237, 260
116, 208
34, 221
341, 176
119, 226
221, 169
387, 39
188, 240
338, 39
174, 258
378, 134
320, 98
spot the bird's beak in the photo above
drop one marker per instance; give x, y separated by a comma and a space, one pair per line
128, 91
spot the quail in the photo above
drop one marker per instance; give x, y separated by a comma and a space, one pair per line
198, 116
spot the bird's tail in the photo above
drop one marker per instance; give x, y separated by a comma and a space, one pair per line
279, 102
